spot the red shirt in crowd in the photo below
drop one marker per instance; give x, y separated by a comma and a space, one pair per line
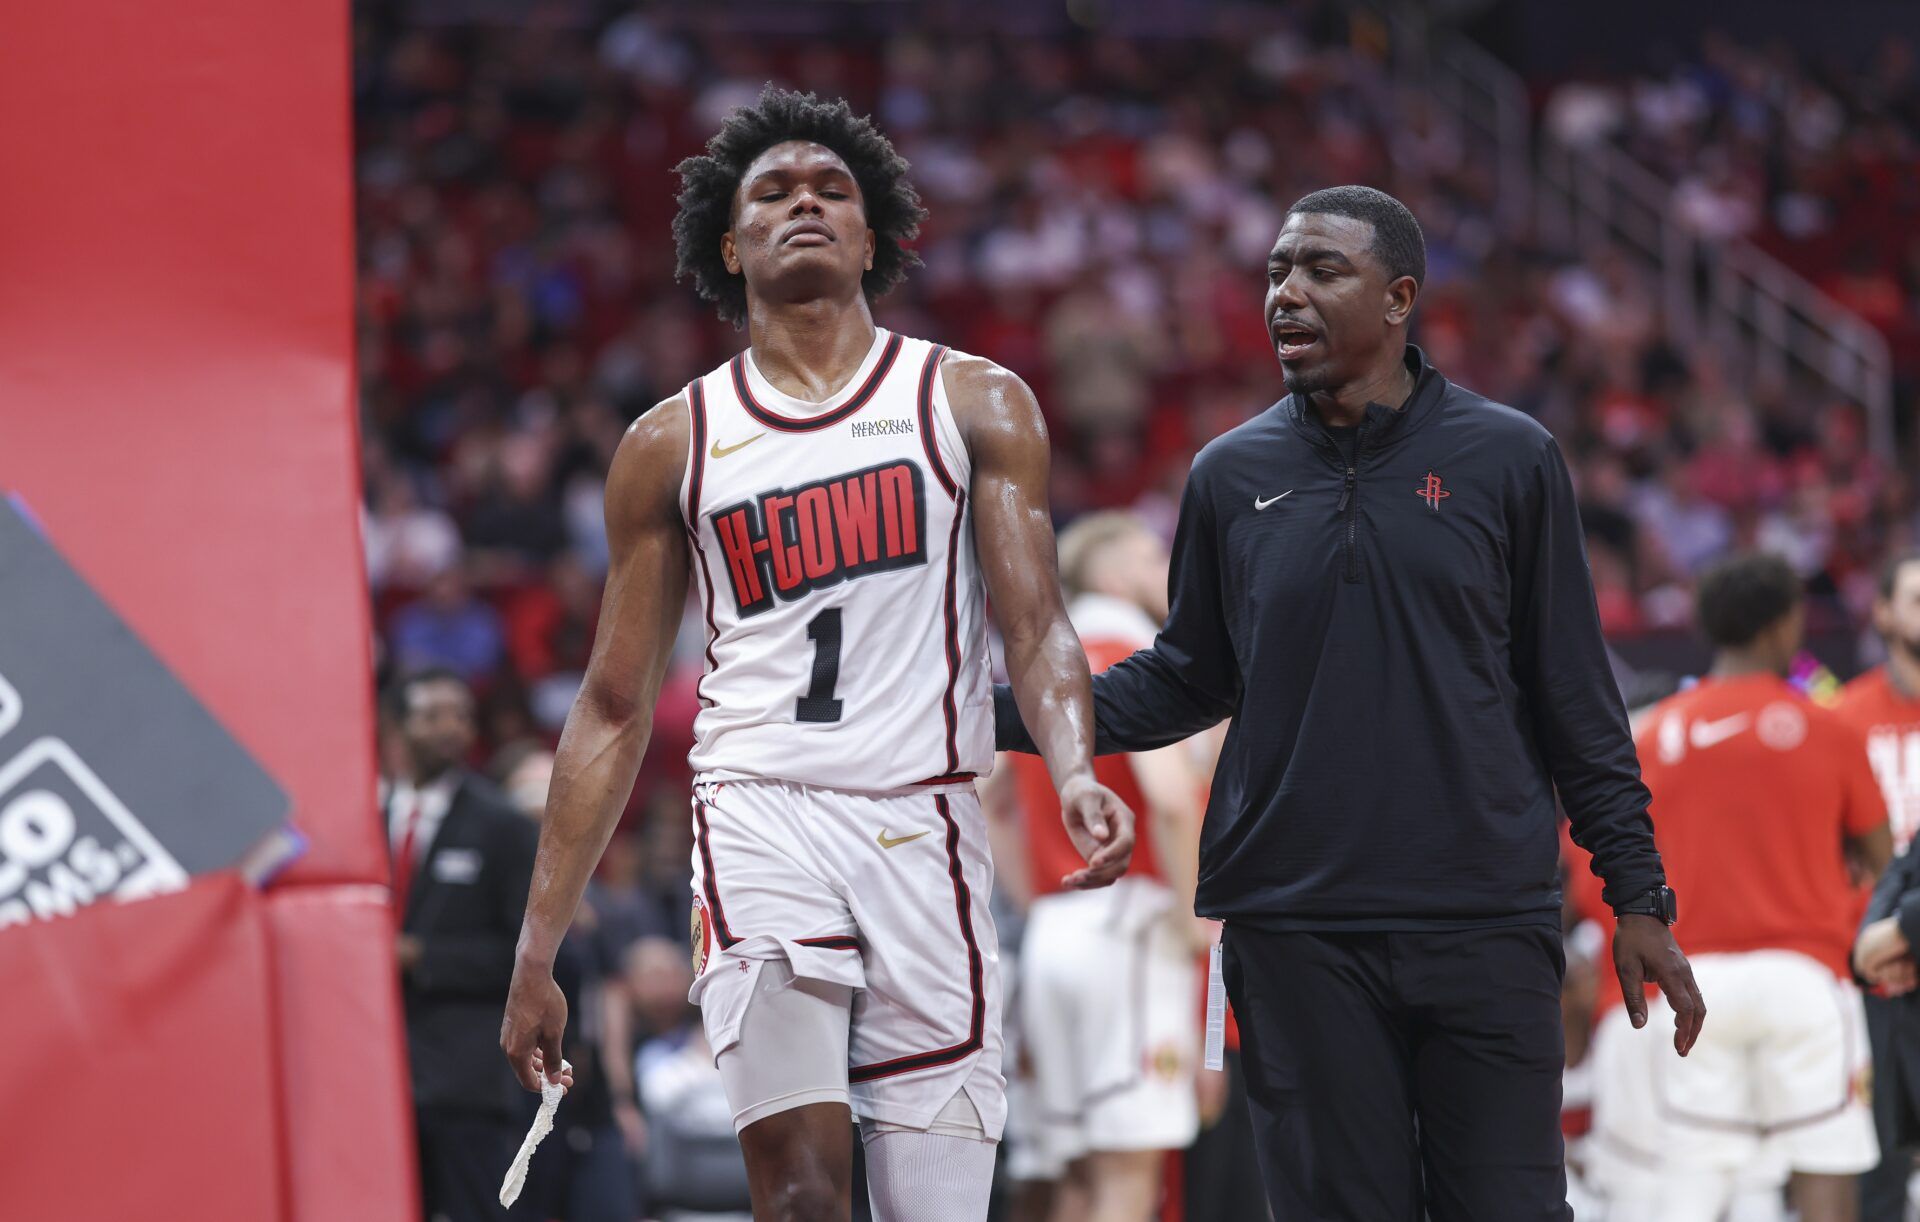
1755, 791
1050, 853
1890, 720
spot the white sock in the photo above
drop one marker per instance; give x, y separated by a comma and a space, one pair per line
1757, 1205
916, 1176
1686, 1197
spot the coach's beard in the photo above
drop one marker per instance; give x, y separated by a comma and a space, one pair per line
1304, 382
1909, 646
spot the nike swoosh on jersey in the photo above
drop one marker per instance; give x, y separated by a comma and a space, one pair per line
720, 451
895, 842
1704, 734
1260, 504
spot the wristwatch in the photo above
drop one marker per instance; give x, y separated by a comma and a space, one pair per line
1658, 902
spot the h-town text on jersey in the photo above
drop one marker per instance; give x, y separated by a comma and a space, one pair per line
829, 531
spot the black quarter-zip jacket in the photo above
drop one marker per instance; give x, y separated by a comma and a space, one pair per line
1408, 647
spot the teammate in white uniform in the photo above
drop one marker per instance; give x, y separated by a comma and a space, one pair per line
838, 496
1109, 982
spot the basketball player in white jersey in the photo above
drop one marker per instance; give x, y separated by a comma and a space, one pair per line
842, 499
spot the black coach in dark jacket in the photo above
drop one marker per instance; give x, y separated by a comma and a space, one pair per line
1885, 956
463, 860
1381, 580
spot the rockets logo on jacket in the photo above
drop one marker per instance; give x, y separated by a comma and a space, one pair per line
791, 541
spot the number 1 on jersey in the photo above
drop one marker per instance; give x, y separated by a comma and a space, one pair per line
819, 704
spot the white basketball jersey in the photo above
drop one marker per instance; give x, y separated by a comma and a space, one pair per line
846, 627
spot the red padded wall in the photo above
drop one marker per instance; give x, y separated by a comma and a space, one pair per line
344, 1092
176, 407
136, 1073
176, 397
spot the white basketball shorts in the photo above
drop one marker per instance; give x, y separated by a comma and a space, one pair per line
1110, 1011
1777, 1083
884, 893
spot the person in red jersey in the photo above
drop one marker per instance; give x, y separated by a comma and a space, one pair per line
1107, 980
1765, 811
1884, 705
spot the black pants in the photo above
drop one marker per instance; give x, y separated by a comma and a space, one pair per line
1400, 1076
1883, 1190
463, 1159
1222, 1176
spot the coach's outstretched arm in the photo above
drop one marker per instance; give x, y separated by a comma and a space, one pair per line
1188, 681
1006, 440
607, 730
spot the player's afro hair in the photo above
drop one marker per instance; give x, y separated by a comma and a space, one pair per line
1743, 596
708, 182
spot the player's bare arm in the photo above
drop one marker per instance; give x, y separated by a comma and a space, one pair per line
607, 730
1173, 787
1013, 532
1868, 855
1000, 803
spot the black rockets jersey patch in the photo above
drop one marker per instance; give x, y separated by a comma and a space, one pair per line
789, 542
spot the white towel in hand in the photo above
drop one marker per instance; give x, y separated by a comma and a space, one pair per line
550, 1093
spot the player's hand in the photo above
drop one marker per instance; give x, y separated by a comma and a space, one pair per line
1644, 953
1880, 945
1197, 932
1898, 978
1101, 828
633, 1126
536, 1018
1211, 1090
564, 1077
407, 951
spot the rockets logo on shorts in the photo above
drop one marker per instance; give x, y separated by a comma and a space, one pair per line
1164, 1062
793, 541
702, 939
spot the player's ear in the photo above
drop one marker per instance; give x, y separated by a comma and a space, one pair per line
871, 240
728, 255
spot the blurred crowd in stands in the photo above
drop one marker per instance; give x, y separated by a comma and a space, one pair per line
1814, 159
1100, 212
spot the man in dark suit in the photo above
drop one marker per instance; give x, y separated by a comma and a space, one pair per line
462, 862
1884, 955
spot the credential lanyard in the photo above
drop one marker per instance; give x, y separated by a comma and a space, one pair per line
1216, 1007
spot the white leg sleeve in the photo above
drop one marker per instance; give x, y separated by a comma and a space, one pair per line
793, 1045
1698, 1196
1757, 1205
933, 1176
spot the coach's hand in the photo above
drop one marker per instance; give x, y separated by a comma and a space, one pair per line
1881, 943
1101, 828
536, 1019
1644, 953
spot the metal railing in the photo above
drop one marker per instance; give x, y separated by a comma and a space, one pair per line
1596, 198
1767, 320
1780, 325
1485, 103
